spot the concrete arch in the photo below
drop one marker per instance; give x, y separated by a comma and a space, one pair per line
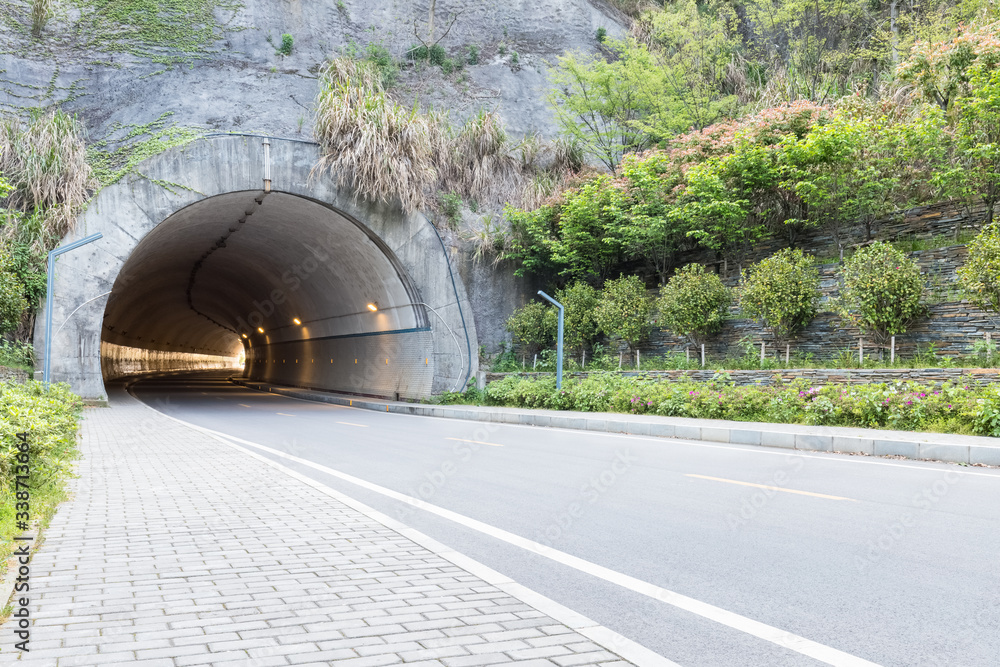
198, 264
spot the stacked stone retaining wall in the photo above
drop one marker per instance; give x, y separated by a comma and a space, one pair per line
16, 375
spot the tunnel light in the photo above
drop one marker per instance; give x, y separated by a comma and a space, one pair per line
244, 335
373, 306
296, 320
260, 329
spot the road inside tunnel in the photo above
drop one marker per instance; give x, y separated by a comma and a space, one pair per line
290, 289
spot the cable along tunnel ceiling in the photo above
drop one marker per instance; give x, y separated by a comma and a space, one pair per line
202, 277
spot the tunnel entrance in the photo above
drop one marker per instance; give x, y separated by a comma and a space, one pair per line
300, 285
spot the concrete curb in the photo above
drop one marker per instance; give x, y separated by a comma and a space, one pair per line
873, 442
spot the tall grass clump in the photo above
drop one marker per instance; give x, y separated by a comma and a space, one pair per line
386, 152
45, 160
370, 143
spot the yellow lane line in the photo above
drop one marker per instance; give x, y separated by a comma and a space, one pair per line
773, 488
477, 442
352, 424
243, 405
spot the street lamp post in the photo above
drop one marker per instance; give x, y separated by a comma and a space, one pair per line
50, 280
559, 337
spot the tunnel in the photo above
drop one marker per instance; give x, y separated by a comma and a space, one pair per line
205, 263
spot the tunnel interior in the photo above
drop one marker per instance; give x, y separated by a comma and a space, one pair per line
276, 286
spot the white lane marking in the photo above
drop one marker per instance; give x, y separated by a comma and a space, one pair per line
284, 414
243, 405
821, 652
772, 488
353, 424
475, 442
627, 648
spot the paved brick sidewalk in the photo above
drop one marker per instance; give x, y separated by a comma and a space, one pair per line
180, 550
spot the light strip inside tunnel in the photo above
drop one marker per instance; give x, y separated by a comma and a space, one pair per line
353, 335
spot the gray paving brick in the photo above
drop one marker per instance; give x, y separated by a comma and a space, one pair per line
215, 558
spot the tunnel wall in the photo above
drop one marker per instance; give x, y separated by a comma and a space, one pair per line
388, 364
181, 177
121, 361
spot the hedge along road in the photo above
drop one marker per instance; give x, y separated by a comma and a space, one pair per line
707, 554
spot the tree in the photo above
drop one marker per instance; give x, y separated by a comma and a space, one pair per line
579, 302
623, 310
589, 243
979, 138
881, 291
532, 326
980, 274
597, 102
694, 303
12, 301
781, 292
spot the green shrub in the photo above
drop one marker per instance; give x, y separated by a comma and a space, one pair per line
693, 303
473, 54
12, 301
623, 310
906, 406
451, 206
781, 292
286, 45
380, 57
437, 55
417, 52
515, 59
579, 300
602, 34
532, 326
49, 415
980, 275
881, 291
448, 66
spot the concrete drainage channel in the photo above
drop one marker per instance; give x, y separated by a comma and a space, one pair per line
969, 450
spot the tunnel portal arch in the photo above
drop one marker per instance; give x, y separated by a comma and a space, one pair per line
198, 266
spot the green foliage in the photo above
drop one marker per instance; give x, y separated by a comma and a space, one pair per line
17, 354
693, 303
602, 34
579, 302
448, 66
588, 244
417, 52
907, 406
287, 41
978, 170
980, 274
781, 292
623, 310
125, 146
166, 31
437, 55
451, 206
49, 415
532, 326
473, 57
515, 59
12, 301
881, 292
598, 103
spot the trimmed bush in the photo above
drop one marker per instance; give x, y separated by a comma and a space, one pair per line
532, 326
623, 310
693, 303
781, 292
579, 326
881, 291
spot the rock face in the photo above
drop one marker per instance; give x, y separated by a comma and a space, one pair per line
239, 82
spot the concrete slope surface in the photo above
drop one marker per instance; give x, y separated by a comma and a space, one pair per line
706, 554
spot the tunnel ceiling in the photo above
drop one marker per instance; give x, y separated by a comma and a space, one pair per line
228, 264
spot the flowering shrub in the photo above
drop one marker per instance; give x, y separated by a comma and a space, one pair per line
906, 406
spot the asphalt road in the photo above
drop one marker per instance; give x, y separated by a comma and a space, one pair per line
891, 561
